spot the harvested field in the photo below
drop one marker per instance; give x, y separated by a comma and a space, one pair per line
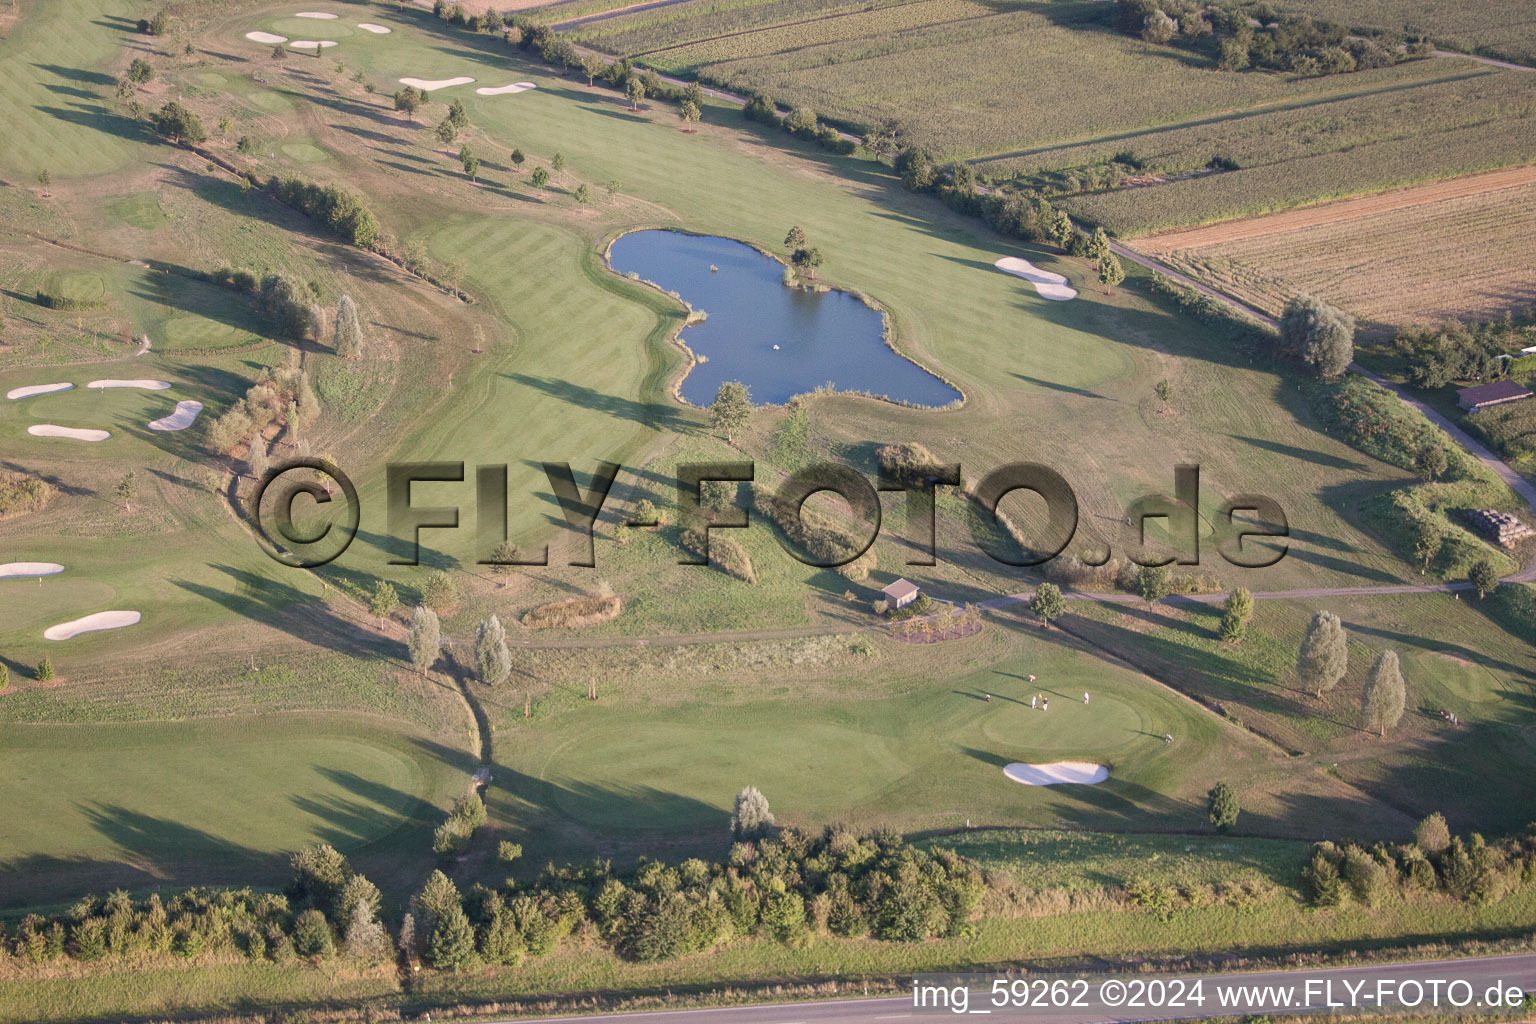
1451, 248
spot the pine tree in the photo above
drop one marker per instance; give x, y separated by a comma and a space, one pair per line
452, 945
1234, 618
425, 638
349, 329
1381, 704
1222, 806
1324, 655
1098, 246
493, 661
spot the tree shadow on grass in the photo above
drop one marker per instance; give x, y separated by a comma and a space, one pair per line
650, 414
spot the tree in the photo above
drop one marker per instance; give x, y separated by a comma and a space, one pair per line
1323, 657
366, 941
1235, 616
1159, 28
45, 670
177, 123
425, 638
634, 91
1061, 230
518, 157
1432, 834
795, 239
256, 457
808, 260
592, 65
1427, 541
583, 194
1234, 55
279, 52
458, 114
1047, 603
1098, 245
493, 662
349, 329
312, 935
140, 71
1222, 806
1164, 390
558, 163
751, 819
440, 590
1152, 583
452, 944
1381, 703
225, 124
1431, 461
447, 132
383, 601
128, 489
1484, 577
540, 177
409, 100
731, 411
1317, 335
471, 164
689, 111
1111, 272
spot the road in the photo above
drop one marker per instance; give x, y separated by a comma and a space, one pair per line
1479, 972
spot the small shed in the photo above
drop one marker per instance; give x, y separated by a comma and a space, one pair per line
1485, 396
900, 594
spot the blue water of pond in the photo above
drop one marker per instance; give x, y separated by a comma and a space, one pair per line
778, 341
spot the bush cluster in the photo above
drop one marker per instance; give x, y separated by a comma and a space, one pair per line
805, 528
342, 212
724, 553
466, 815
58, 300
1471, 869
800, 122
1463, 352
23, 492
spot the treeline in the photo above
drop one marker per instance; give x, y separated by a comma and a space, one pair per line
341, 212
1238, 35
1465, 352
327, 910
790, 888
1472, 869
801, 122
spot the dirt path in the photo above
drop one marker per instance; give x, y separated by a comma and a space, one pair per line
1334, 212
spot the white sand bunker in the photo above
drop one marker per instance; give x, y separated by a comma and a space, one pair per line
378, 30
313, 44
90, 624
36, 389
502, 90
1048, 284
429, 84
73, 433
184, 416
265, 37
1057, 772
317, 14
27, 570
147, 385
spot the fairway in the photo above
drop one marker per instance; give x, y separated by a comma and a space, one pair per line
140, 803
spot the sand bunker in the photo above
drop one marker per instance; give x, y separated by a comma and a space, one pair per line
76, 434
1049, 285
429, 84
317, 14
1057, 772
90, 624
147, 385
502, 90
36, 389
265, 37
184, 416
378, 30
312, 44
27, 570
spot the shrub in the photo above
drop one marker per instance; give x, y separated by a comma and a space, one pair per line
575, 611
21, 493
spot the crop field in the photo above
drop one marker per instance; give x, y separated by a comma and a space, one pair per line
1500, 28
859, 67
1452, 249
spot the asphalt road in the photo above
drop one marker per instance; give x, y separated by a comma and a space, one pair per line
1480, 974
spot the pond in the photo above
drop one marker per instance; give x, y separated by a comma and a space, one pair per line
778, 341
